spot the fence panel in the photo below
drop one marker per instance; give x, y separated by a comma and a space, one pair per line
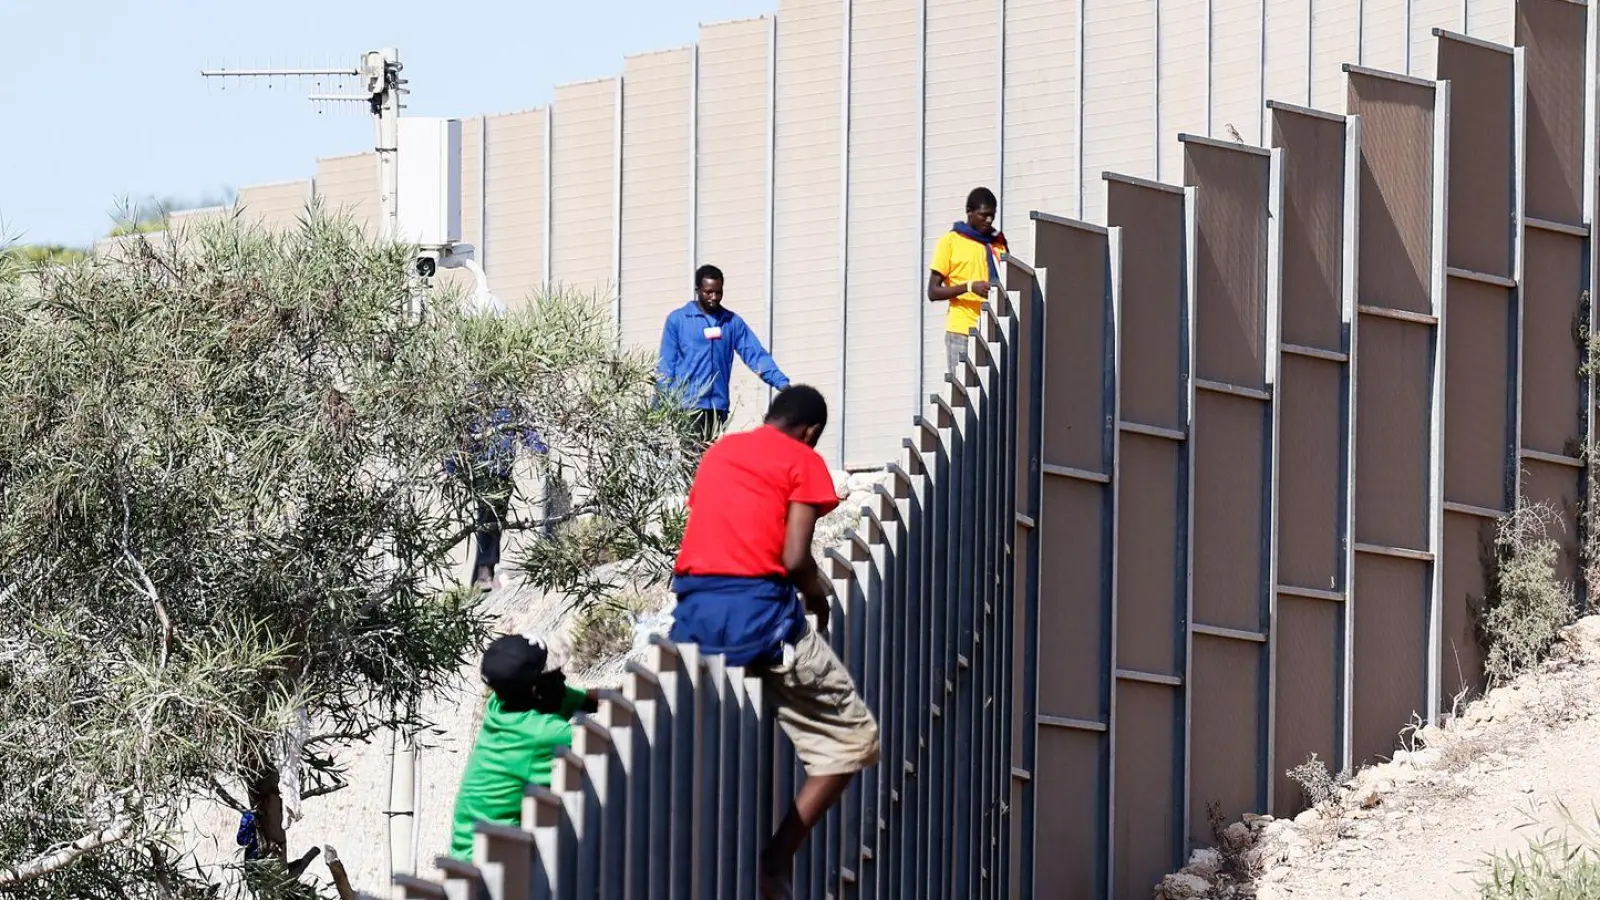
1235, 316
1398, 416
1316, 406
1153, 500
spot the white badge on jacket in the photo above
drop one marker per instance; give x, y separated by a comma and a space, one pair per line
714, 333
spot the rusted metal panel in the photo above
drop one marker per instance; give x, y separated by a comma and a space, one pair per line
1396, 206
1150, 569
1552, 31
1551, 397
1311, 489
1392, 437
1231, 271
1391, 633
1310, 690
1480, 375
1468, 552
1482, 141
1068, 839
1229, 732
1313, 228
1069, 603
1152, 384
1149, 821
1076, 341
1230, 500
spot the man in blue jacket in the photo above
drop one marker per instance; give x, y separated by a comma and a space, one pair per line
697, 349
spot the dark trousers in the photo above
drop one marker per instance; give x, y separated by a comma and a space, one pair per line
494, 504
707, 423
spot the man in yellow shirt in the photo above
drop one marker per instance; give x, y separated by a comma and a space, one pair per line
966, 264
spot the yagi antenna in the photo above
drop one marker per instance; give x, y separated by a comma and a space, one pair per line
376, 82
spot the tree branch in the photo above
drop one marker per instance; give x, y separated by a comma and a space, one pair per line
148, 588
60, 859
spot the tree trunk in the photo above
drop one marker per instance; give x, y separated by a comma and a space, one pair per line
267, 803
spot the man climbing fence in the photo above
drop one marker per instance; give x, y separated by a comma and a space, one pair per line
746, 551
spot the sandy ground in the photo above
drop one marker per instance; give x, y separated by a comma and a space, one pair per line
1424, 825
353, 819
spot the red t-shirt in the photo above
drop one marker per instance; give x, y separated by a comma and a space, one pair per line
739, 505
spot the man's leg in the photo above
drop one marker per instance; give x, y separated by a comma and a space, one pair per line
834, 736
492, 512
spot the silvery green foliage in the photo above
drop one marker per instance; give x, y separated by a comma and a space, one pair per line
224, 499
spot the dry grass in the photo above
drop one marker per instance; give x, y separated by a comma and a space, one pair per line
1317, 785
604, 631
1564, 866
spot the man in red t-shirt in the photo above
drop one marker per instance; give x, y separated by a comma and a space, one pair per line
746, 551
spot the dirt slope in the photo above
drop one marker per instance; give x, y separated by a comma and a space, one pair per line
1421, 827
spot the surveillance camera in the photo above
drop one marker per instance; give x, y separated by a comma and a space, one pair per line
427, 264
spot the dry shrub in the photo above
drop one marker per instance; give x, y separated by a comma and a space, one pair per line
604, 631
1317, 784
1528, 603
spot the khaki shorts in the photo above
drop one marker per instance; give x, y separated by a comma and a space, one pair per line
832, 730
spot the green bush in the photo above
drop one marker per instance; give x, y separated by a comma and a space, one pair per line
1528, 604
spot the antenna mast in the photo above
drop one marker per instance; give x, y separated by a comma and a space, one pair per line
381, 88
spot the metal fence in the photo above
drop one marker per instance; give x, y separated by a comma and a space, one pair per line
670, 791
1216, 496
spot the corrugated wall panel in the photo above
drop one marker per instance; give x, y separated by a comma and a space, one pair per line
349, 184
516, 205
1426, 15
656, 270
962, 119
886, 292
277, 206
1383, 35
733, 184
1335, 39
806, 218
583, 181
1288, 43
1041, 96
1119, 121
1492, 20
1236, 70
1183, 80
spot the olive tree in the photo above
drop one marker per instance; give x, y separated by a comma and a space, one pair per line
227, 520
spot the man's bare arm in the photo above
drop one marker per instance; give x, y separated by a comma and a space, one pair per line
939, 293
801, 565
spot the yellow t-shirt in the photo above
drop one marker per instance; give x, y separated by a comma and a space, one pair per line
960, 260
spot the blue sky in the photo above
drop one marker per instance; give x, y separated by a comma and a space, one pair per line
104, 99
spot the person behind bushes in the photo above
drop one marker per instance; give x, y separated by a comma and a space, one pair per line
966, 264
746, 550
528, 719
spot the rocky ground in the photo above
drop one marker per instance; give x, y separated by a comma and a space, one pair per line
353, 819
1513, 768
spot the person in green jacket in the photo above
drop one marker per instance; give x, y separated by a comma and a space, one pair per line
527, 721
